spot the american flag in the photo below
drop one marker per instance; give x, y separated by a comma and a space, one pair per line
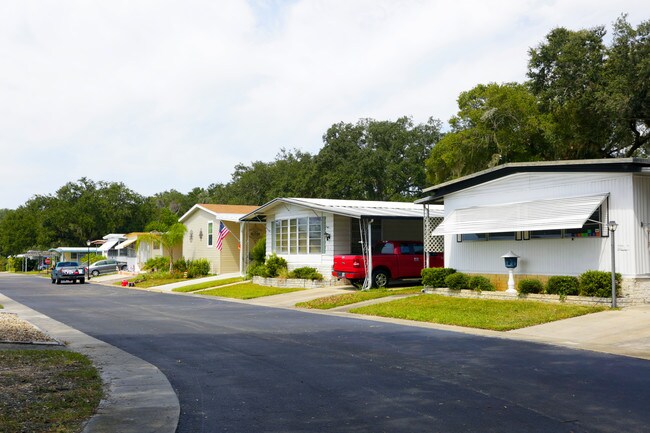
223, 232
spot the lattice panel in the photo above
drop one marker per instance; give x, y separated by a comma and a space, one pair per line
433, 244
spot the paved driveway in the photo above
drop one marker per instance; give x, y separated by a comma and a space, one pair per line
247, 368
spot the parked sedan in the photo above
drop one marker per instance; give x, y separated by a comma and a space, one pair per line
106, 266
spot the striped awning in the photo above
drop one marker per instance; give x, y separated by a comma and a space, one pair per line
553, 214
126, 243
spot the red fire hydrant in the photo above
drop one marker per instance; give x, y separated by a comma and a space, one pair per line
124, 283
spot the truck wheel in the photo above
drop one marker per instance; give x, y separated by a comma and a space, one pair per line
82, 280
53, 280
58, 280
124, 268
380, 278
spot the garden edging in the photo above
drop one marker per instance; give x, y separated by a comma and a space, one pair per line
293, 283
577, 300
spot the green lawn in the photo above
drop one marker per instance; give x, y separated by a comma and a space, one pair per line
46, 391
207, 285
151, 282
475, 313
246, 291
353, 297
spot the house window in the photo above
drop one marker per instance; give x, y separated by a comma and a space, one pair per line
591, 228
210, 238
545, 234
471, 237
298, 235
502, 236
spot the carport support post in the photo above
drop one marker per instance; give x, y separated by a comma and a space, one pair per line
612, 226
88, 257
367, 284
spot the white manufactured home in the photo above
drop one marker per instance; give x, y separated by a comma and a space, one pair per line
554, 215
310, 232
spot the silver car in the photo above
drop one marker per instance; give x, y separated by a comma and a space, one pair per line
106, 266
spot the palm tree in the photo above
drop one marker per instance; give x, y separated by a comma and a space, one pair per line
168, 239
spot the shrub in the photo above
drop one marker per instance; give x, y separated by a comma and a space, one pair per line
457, 281
306, 273
258, 253
181, 265
481, 283
258, 270
274, 264
198, 268
530, 285
156, 264
435, 277
599, 284
563, 285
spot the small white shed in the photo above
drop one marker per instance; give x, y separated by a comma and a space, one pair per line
311, 231
553, 215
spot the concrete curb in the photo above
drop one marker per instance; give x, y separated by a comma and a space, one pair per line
138, 397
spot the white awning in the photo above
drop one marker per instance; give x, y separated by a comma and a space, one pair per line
126, 243
562, 213
107, 245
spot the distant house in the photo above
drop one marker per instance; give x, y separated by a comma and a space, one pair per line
554, 215
203, 222
74, 254
310, 231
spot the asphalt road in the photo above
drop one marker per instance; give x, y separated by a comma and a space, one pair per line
244, 368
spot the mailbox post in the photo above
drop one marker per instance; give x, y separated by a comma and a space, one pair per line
510, 259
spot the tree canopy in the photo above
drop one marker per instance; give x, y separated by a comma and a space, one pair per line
583, 99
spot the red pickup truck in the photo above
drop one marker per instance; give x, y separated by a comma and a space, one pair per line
390, 260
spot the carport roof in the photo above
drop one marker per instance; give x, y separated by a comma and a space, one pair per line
350, 208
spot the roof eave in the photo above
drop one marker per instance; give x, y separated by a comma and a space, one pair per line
438, 192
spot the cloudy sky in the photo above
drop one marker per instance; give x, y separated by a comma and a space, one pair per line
173, 94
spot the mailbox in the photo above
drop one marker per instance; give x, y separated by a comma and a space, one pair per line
510, 259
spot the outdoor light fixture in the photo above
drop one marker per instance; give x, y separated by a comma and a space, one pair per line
510, 260
612, 226
88, 257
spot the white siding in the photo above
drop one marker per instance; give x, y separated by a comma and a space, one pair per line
322, 262
342, 234
548, 256
642, 216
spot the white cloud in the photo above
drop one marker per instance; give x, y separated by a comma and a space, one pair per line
166, 94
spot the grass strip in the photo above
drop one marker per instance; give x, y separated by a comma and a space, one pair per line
46, 391
334, 301
496, 315
246, 291
207, 285
152, 282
